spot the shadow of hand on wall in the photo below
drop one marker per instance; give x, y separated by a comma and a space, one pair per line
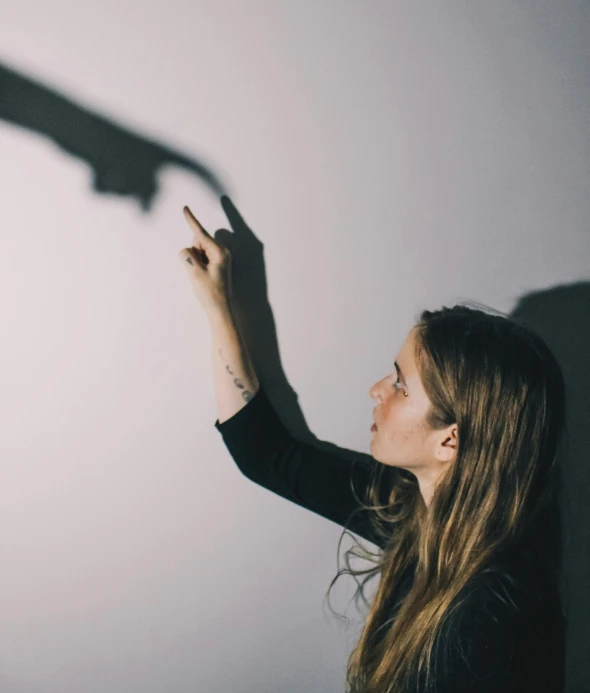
123, 162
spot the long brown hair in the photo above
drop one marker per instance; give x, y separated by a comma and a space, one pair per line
499, 381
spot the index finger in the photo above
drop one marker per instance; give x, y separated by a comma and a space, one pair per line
194, 222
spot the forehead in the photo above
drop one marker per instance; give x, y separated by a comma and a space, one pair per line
405, 356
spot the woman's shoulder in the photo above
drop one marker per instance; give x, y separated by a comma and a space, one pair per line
513, 595
492, 600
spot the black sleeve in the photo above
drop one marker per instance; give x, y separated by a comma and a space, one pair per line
320, 481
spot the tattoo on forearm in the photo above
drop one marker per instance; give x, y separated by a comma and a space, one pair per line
246, 394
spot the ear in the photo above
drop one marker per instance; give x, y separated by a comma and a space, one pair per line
449, 443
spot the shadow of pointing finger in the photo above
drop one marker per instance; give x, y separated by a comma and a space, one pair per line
123, 162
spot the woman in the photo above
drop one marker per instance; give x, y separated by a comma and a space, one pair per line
461, 494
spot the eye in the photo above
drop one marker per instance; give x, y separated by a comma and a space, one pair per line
398, 383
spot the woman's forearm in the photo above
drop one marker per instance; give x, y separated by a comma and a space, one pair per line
233, 373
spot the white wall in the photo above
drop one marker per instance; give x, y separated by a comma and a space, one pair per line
391, 157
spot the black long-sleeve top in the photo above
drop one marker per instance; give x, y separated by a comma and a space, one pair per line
495, 645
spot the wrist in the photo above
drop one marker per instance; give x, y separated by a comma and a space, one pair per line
220, 310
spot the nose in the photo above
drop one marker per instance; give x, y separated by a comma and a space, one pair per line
374, 391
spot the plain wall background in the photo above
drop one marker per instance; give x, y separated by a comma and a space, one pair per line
390, 157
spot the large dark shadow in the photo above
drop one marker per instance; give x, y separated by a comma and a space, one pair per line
560, 315
123, 162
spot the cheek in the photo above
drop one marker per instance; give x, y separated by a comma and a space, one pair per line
398, 424
392, 423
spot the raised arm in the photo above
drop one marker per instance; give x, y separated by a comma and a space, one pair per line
320, 481
261, 446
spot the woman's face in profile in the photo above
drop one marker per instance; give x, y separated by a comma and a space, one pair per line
403, 439
400, 407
